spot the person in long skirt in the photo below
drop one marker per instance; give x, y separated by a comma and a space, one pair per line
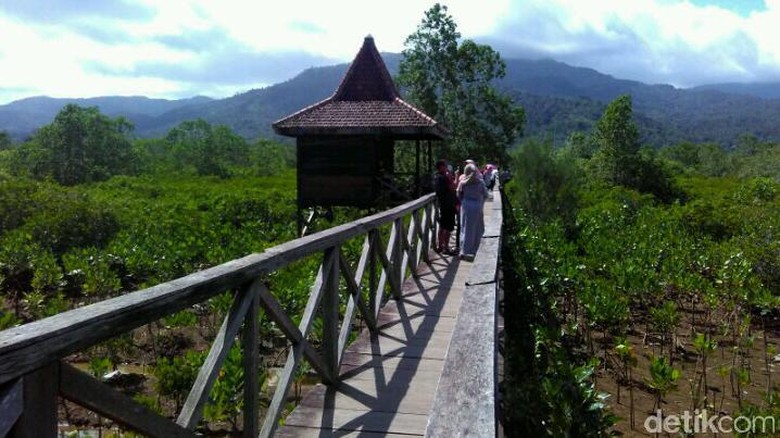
472, 194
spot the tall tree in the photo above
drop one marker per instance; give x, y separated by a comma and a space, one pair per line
5, 141
452, 80
80, 145
618, 141
618, 159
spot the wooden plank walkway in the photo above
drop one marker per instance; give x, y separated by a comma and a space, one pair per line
389, 379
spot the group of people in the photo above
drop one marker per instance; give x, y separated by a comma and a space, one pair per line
466, 194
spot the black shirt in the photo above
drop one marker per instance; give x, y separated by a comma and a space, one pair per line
444, 192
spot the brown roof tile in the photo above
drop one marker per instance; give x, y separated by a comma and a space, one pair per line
366, 102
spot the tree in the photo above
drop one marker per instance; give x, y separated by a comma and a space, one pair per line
548, 180
5, 141
618, 140
619, 159
581, 145
81, 145
211, 150
452, 80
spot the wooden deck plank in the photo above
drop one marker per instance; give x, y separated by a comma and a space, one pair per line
307, 432
358, 420
390, 379
364, 394
357, 362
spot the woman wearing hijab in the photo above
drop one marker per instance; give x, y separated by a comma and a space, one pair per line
472, 194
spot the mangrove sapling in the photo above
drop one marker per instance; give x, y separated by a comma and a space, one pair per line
628, 359
769, 351
766, 302
300, 375
607, 310
663, 378
665, 320
704, 346
99, 366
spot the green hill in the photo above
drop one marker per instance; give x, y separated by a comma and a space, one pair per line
558, 99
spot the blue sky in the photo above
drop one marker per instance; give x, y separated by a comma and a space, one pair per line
742, 7
181, 48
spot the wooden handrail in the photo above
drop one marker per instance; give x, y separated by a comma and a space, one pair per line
465, 401
33, 348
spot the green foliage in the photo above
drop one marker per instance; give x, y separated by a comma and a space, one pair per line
618, 140
5, 141
581, 146
606, 308
93, 271
99, 366
630, 256
666, 317
705, 159
549, 182
663, 377
226, 400
704, 344
618, 160
757, 191
549, 389
452, 80
210, 150
92, 242
199, 148
8, 320
269, 158
15, 203
80, 145
175, 376
185, 318
576, 407
71, 221
150, 402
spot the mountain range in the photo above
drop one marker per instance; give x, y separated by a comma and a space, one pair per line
558, 99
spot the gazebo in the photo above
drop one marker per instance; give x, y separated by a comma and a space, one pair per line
346, 143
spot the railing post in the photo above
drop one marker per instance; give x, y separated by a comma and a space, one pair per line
411, 240
39, 413
251, 352
434, 230
398, 256
426, 233
330, 312
11, 400
372, 280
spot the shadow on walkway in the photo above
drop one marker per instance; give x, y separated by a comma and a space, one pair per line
389, 378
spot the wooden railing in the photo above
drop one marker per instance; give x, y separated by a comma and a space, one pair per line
33, 373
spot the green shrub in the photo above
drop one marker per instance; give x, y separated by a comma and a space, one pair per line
176, 376
544, 182
70, 221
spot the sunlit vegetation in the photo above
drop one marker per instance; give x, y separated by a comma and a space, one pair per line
624, 297
88, 213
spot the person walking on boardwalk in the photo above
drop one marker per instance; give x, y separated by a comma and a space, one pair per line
472, 194
444, 186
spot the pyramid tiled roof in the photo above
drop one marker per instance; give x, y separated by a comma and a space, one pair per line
366, 102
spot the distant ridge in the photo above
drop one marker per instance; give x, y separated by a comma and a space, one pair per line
21, 117
558, 98
764, 90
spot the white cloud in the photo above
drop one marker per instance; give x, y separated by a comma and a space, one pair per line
172, 48
655, 41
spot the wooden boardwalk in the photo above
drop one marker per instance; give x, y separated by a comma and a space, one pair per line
390, 379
